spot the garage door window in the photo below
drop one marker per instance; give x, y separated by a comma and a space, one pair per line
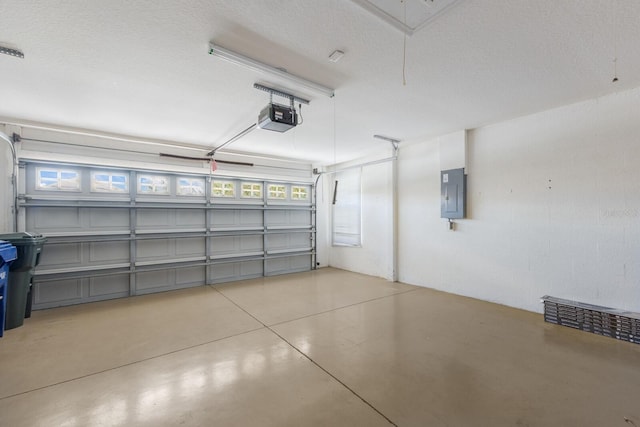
109, 182
251, 190
190, 186
153, 184
277, 191
57, 179
299, 193
223, 189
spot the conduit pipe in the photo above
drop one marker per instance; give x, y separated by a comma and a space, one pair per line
14, 178
394, 213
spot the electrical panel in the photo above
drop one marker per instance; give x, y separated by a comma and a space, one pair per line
453, 193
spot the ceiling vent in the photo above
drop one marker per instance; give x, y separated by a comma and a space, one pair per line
407, 16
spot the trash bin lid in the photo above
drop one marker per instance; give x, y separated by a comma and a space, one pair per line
7, 252
23, 238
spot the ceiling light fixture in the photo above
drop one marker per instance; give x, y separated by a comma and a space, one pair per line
252, 64
12, 52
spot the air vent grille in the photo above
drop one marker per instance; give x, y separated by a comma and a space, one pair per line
609, 322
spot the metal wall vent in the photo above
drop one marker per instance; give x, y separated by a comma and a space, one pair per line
419, 13
609, 322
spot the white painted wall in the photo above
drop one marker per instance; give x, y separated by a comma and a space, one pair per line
453, 150
554, 208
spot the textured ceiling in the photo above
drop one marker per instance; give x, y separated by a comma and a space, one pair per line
141, 67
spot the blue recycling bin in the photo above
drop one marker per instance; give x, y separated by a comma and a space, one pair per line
8, 253
28, 247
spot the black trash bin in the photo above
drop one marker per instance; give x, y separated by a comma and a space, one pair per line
28, 247
7, 254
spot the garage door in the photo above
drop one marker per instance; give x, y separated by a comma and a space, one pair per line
114, 233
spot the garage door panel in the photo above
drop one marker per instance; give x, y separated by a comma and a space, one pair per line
159, 279
222, 218
153, 249
276, 241
108, 252
192, 276
223, 272
277, 217
177, 278
60, 255
222, 245
169, 250
251, 269
251, 218
288, 264
277, 265
98, 226
45, 219
282, 241
58, 291
300, 263
112, 285
107, 218
299, 240
235, 218
251, 243
153, 218
235, 245
299, 218
191, 246
190, 218
232, 271
291, 218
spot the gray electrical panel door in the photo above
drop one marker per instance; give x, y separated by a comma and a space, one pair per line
453, 193
113, 233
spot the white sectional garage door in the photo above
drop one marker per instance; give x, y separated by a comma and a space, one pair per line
114, 233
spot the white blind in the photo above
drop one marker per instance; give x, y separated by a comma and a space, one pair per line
347, 209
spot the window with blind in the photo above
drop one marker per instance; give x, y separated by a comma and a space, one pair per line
347, 210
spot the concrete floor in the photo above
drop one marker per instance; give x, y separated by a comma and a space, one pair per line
325, 348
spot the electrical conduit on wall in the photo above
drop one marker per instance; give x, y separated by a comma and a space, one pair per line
12, 195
